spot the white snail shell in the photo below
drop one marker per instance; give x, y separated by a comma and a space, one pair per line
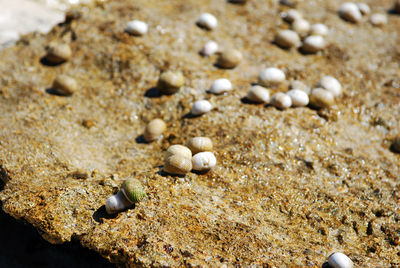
201, 107
136, 27
220, 86
203, 161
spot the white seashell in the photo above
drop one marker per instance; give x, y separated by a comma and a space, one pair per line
281, 100
299, 97
350, 12
201, 107
203, 161
287, 39
178, 149
154, 129
378, 19
136, 27
321, 98
291, 15
207, 21
301, 26
313, 44
296, 84
340, 260
364, 8
319, 29
200, 144
117, 203
259, 94
210, 48
271, 76
331, 84
220, 86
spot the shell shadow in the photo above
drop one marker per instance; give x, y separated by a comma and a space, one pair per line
153, 93
161, 172
140, 139
101, 214
200, 172
190, 115
52, 91
245, 100
326, 265
46, 62
393, 12
393, 150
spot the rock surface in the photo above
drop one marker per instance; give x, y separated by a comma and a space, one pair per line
290, 187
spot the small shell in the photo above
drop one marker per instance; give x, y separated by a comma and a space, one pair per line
287, 39
170, 82
117, 202
207, 21
271, 76
340, 260
178, 149
350, 12
296, 84
154, 129
396, 144
177, 164
364, 8
229, 58
301, 26
291, 15
200, 144
220, 86
313, 44
331, 84
203, 161
259, 94
299, 97
64, 85
281, 100
133, 190
58, 53
319, 29
201, 107
321, 98
136, 27
210, 48
378, 19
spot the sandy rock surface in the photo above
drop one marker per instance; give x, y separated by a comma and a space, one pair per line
290, 187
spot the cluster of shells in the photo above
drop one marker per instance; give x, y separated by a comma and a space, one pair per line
354, 13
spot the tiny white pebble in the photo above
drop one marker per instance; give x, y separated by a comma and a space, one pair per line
364, 8
350, 12
220, 86
291, 15
136, 27
313, 44
331, 84
258, 94
296, 84
207, 21
340, 260
201, 107
287, 39
319, 29
281, 100
209, 48
203, 161
301, 26
270, 76
378, 19
299, 97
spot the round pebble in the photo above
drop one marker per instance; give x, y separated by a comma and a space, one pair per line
331, 84
281, 100
220, 86
258, 94
203, 161
321, 98
64, 85
291, 15
136, 27
154, 129
170, 82
319, 29
299, 97
207, 21
340, 260
58, 53
301, 26
350, 12
271, 76
378, 19
312, 44
287, 39
201, 107
296, 84
229, 59
210, 48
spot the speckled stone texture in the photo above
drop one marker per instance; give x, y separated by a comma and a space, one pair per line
290, 187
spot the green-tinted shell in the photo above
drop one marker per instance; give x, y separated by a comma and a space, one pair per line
133, 190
